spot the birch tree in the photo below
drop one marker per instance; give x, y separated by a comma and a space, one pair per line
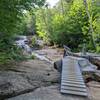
91, 31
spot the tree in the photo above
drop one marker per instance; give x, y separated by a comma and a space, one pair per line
62, 30
72, 22
91, 30
12, 13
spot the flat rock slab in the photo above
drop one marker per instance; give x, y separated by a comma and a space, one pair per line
12, 84
47, 93
26, 77
94, 90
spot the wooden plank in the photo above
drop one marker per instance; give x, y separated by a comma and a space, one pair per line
72, 74
74, 92
81, 83
74, 85
74, 89
74, 80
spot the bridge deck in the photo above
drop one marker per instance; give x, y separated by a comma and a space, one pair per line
71, 80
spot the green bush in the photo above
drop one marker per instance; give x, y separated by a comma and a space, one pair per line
32, 56
98, 49
11, 55
34, 38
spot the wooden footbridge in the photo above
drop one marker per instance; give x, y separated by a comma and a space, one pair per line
72, 81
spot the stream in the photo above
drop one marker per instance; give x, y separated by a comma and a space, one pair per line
22, 42
41, 57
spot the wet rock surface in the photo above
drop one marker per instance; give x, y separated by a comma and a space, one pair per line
12, 83
37, 80
94, 90
26, 77
47, 93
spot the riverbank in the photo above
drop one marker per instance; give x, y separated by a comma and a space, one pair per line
37, 79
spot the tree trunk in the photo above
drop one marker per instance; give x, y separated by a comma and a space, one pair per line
62, 7
90, 22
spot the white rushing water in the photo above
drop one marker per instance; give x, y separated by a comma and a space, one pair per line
41, 57
22, 42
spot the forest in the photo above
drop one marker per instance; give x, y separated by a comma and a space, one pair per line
49, 49
75, 23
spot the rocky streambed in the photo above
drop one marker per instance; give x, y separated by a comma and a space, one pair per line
26, 77
38, 80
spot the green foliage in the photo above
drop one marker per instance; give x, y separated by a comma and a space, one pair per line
68, 23
28, 23
96, 22
13, 53
34, 38
60, 28
32, 56
14, 20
